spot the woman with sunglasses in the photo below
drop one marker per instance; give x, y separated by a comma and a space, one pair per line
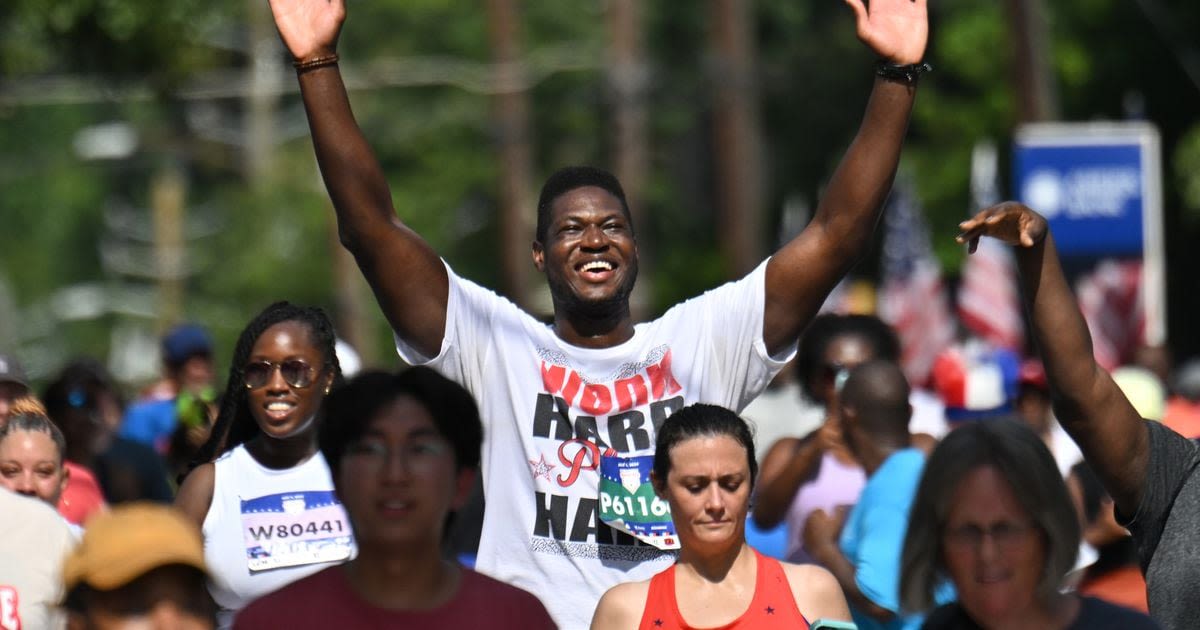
809, 478
260, 490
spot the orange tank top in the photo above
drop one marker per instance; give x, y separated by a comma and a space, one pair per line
772, 606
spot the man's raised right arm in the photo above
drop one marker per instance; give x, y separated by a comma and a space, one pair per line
407, 276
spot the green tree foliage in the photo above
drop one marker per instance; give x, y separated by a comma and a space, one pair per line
119, 39
414, 67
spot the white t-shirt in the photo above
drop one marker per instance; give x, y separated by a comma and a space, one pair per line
34, 539
1065, 451
780, 413
550, 408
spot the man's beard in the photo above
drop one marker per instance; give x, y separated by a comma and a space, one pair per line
612, 306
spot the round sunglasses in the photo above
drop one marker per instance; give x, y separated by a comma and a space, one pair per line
295, 372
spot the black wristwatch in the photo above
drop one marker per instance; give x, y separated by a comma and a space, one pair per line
904, 73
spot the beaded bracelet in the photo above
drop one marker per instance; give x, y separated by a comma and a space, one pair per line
895, 72
319, 62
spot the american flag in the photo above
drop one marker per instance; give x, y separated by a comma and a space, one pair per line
989, 304
913, 299
1110, 299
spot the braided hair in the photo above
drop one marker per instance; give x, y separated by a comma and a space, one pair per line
235, 424
29, 419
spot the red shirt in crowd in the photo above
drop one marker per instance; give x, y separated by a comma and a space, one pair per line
1124, 587
1183, 417
773, 604
82, 496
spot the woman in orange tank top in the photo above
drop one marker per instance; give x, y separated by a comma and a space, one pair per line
704, 468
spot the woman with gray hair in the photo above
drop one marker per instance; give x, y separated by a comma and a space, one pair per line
993, 516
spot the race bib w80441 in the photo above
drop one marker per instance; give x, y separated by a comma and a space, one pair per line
628, 502
295, 528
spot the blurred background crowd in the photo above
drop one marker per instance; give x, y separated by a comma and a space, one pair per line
157, 188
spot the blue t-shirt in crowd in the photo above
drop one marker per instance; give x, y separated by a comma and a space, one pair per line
150, 422
873, 538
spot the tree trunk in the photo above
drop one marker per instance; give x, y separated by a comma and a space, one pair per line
737, 136
511, 129
1033, 77
627, 80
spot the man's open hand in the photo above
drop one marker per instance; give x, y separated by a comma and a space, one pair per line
309, 28
1011, 222
895, 29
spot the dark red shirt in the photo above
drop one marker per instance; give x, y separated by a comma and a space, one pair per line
325, 600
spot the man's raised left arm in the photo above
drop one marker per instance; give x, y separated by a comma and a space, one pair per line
803, 272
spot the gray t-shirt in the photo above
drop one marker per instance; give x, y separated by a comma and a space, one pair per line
1166, 528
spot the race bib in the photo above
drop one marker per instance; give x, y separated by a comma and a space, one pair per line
628, 502
295, 528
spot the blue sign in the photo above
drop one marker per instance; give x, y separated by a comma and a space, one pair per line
1097, 184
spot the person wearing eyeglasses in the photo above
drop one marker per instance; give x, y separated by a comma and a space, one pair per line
993, 516
260, 490
404, 449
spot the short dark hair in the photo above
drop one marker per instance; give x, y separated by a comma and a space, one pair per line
81, 384
569, 178
76, 401
350, 408
1022, 459
83, 598
701, 420
878, 392
825, 328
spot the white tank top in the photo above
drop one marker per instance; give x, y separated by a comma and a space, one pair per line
267, 528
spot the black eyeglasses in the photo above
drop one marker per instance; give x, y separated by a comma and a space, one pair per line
295, 372
1003, 534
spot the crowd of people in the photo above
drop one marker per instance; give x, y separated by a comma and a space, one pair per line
619, 477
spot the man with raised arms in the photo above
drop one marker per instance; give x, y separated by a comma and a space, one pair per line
1149, 470
593, 385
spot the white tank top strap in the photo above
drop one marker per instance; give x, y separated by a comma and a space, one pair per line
267, 528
